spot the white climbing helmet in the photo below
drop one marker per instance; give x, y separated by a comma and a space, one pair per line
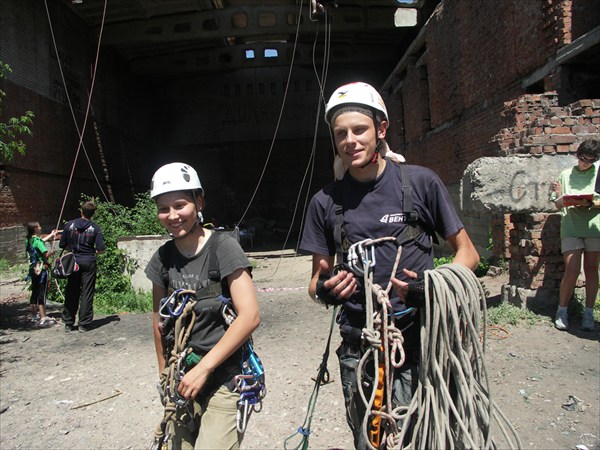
359, 94
174, 177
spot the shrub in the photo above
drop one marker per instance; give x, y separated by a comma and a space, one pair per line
114, 292
480, 271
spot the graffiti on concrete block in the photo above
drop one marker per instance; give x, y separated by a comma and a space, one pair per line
523, 186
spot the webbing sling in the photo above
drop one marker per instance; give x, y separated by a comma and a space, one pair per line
409, 233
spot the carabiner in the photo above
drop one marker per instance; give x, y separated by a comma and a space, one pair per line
242, 417
179, 305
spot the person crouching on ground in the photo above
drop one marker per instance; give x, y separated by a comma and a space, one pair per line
183, 263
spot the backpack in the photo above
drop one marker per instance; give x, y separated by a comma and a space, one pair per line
64, 265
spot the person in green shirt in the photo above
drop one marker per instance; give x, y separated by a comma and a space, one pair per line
579, 231
38, 272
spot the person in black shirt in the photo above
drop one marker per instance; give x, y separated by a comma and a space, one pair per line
84, 238
367, 202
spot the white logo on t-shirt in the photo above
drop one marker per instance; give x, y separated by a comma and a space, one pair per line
393, 218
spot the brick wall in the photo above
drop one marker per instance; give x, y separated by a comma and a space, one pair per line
34, 186
470, 73
536, 261
541, 126
461, 96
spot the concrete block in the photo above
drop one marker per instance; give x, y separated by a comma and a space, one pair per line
138, 251
517, 184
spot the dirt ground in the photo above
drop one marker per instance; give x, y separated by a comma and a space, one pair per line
97, 390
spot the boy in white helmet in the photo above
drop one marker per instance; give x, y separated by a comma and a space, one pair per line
368, 203
184, 263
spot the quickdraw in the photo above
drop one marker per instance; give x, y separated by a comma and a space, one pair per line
174, 311
251, 382
173, 306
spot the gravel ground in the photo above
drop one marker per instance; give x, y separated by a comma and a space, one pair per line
96, 390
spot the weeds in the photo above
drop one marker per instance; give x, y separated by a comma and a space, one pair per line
506, 313
114, 292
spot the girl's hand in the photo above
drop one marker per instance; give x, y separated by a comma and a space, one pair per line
193, 381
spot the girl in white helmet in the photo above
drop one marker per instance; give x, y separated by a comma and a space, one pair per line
183, 263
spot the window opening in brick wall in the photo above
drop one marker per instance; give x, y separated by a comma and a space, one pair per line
271, 53
536, 88
267, 19
182, 27
577, 82
426, 112
239, 20
210, 25
249, 54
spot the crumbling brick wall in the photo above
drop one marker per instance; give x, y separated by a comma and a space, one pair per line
536, 261
540, 127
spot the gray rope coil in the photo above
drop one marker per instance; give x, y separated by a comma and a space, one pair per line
452, 406
183, 329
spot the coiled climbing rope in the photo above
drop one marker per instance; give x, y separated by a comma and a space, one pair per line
452, 405
186, 318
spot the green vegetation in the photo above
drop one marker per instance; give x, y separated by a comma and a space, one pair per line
10, 144
577, 305
8, 270
480, 271
114, 292
507, 313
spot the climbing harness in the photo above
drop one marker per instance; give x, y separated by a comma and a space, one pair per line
414, 228
178, 316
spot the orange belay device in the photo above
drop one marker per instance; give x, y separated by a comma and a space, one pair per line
375, 428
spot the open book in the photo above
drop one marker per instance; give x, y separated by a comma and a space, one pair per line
568, 199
